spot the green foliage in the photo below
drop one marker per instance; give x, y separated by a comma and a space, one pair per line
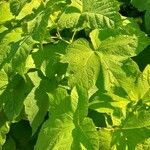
144, 6
71, 75
87, 13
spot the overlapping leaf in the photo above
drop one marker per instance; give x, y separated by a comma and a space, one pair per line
36, 103
108, 58
61, 130
135, 107
35, 85
88, 13
141, 91
16, 6
142, 6
47, 60
130, 114
14, 95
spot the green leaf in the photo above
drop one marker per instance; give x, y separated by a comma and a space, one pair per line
47, 59
67, 77
107, 102
128, 29
147, 21
87, 13
60, 131
3, 131
138, 116
14, 95
83, 66
31, 108
85, 136
129, 139
56, 131
16, 6
105, 138
128, 111
5, 12
9, 144
36, 103
37, 27
137, 119
13, 49
4, 128
108, 62
113, 105
16, 52
141, 5
144, 145
71, 16
28, 9
5, 45
80, 96
141, 90
22, 49
137, 136
41, 23
3, 81
55, 134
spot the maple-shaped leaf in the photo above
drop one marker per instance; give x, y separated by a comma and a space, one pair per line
107, 61
90, 13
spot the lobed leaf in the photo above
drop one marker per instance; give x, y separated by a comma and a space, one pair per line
92, 14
